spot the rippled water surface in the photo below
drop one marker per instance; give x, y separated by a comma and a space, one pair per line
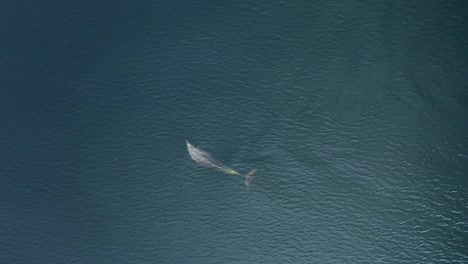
353, 112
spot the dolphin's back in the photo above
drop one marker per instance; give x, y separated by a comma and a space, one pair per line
204, 158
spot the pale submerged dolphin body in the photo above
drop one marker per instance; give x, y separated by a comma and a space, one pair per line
207, 160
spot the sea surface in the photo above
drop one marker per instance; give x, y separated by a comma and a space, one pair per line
355, 114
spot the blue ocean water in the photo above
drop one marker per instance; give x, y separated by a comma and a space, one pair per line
353, 112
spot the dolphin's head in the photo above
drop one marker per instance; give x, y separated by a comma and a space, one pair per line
189, 146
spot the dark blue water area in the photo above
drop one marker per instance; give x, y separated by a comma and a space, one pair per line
353, 112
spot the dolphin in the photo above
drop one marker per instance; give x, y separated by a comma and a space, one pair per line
207, 160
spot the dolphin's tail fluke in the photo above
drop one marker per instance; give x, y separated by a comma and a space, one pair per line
249, 177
